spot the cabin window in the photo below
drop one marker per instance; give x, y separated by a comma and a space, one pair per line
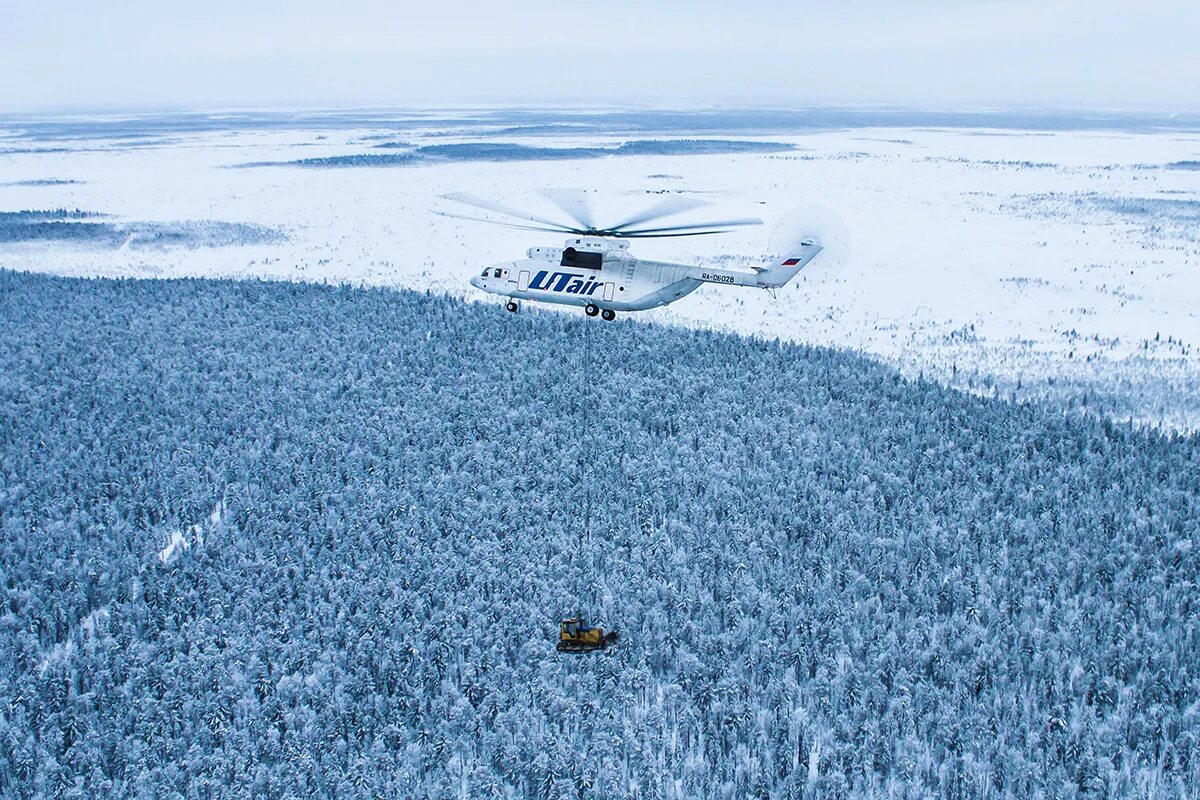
496, 272
581, 259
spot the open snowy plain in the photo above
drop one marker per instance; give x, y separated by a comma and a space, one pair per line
1039, 257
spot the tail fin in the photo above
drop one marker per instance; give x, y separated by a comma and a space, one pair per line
772, 276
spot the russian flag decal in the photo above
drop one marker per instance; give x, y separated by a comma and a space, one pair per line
791, 262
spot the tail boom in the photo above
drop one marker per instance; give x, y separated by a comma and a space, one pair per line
768, 276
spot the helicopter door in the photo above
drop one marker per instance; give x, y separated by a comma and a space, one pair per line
523, 280
608, 290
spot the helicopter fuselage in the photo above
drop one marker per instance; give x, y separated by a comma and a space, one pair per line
601, 273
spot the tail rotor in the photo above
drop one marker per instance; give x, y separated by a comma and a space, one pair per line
813, 223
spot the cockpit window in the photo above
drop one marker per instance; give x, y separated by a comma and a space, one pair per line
581, 259
485, 273
496, 272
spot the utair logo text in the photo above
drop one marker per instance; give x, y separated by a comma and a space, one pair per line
565, 282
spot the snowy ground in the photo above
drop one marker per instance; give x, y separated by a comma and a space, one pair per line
1042, 263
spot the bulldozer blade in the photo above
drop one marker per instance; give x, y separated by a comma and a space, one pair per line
605, 642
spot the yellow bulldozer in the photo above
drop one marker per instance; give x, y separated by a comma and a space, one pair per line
574, 636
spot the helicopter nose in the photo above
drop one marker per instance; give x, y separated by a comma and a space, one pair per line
477, 282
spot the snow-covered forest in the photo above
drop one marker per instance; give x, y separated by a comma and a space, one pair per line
62, 226
285, 540
504, 151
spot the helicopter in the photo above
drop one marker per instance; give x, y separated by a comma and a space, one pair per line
595, 270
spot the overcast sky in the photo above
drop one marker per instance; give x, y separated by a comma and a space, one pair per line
145, 54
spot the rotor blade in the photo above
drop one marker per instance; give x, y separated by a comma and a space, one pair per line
721, 223
574, 204
496, 208
663, 208
504, 224
664, 235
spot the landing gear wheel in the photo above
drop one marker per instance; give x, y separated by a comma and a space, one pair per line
591, 309
608, 314
512, 306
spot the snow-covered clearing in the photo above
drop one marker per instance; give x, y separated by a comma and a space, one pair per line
1041, 263
180, 541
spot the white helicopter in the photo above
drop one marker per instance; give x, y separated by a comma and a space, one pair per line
595, 269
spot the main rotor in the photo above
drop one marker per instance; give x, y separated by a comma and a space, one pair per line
574, 204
